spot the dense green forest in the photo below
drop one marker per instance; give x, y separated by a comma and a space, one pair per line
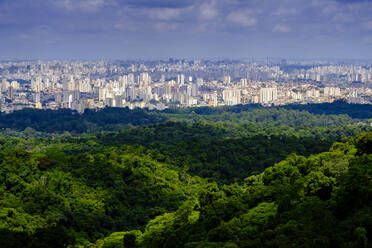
240, 176
320, 201
245, 118
50, 121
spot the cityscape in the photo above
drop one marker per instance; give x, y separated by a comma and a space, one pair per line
80, 85
185, 123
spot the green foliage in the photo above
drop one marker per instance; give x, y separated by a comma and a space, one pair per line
239, 176
320, 201
362, 111
86, 193
67, 120
240, 118
364, 144
206, 150
120, 240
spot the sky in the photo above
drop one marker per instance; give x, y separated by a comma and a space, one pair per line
191, 29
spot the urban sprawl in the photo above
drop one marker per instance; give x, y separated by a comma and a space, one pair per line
79, 85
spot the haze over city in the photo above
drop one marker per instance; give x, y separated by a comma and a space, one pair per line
153, 29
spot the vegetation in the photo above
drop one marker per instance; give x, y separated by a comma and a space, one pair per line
320, 201
245, 118
50, 121
83, 195
242, 176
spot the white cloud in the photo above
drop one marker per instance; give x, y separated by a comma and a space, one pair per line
208, 10
285, 11
203, 27
242, 17
81, 5
163, 13
125, 26
330, 8
165, 26
42, 33
281, 28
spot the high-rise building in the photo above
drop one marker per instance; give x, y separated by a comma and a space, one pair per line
243, 82
131, 93
131, 78
332, 91
144, 79
211, 99
231, 96
226, 80
4, 85
194, 89
11, 92
268, 95
102, 94
181, 79
36, 97
162, 78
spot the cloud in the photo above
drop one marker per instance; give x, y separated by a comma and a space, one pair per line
42, 34
82, 5
87, 21
330, 8
242, 17
203, 27
281, 28
163, 13
208, 10
125, 26
173, 4
354, 1
165, 26
35, 32
342, 18
285, 11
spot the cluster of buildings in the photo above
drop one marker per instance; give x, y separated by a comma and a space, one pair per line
159, 84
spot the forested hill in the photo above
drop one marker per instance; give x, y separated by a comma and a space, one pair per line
85, 194
212, 151
240, 176
50, 121
60, 194
109, 119
362, 111
320, 201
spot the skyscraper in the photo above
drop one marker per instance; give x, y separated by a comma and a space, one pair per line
268, 95
231, 96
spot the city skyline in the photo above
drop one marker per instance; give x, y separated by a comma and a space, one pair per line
159, 29
161, 84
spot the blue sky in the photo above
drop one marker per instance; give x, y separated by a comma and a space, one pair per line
151, 29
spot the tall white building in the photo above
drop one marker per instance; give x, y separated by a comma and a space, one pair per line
243, 82
131, 78
36, 84
144, 79
211, 99
227, 80
268, 95
231, 96
181, 79
332, 91
102, 94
